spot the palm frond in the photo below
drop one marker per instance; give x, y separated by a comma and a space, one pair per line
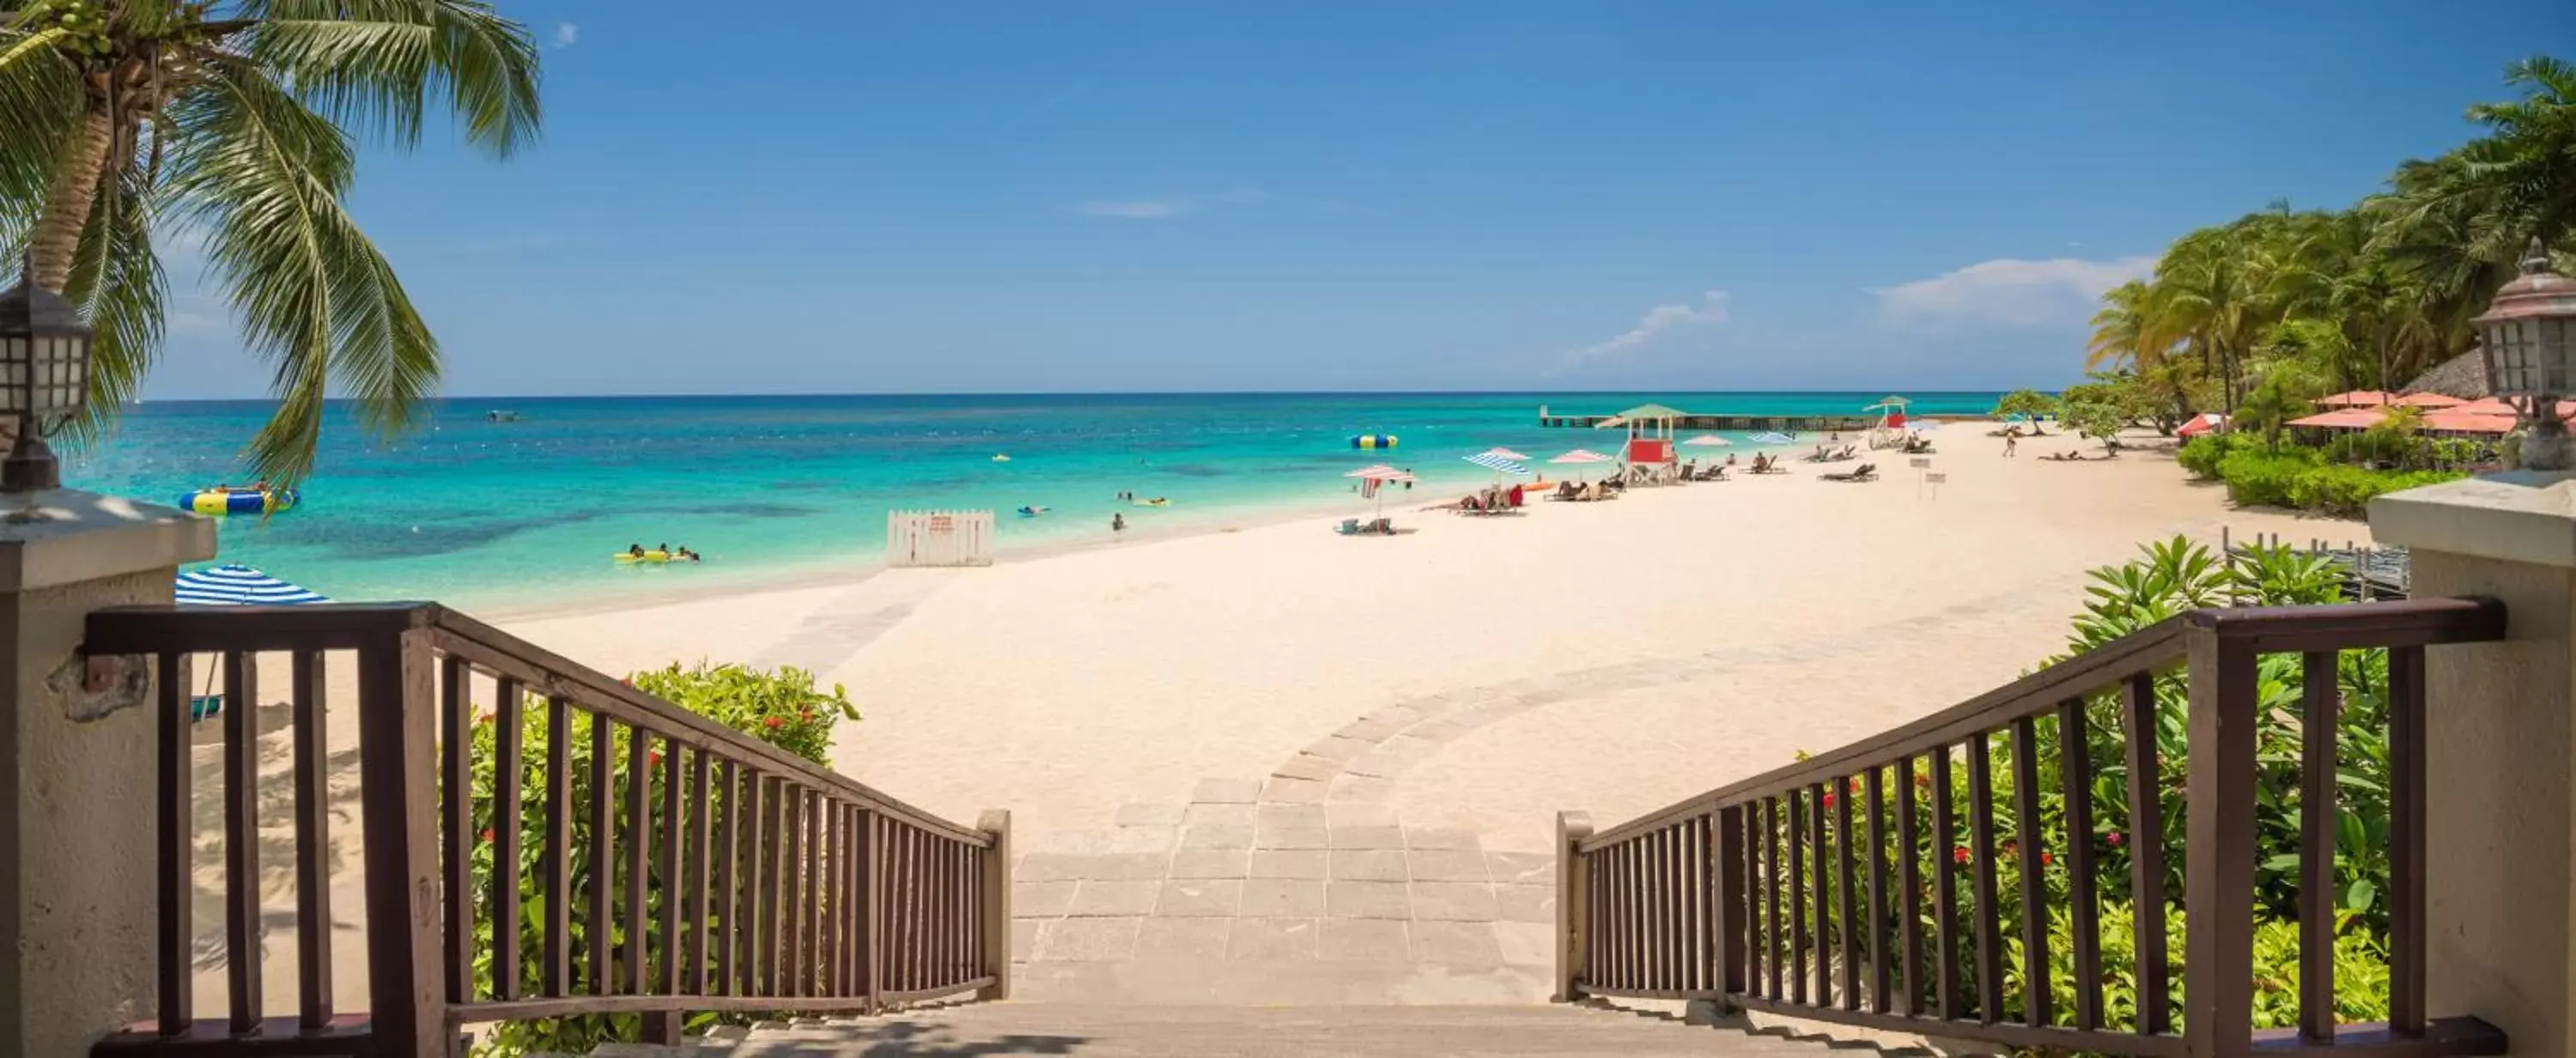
40, 107
375, 64
261, 173
118, 283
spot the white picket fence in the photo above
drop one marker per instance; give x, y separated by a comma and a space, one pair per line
939, 538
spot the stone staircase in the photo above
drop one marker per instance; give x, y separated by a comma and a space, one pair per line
1088, 1031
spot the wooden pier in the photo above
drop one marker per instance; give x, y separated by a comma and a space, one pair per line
1725, 421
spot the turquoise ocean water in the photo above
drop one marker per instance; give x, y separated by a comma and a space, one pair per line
524, 515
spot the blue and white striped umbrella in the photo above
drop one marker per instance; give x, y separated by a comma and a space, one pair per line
239, 585
1773, 437
1490, 461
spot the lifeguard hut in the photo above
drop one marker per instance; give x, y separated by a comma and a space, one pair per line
1890, 431
1650, 439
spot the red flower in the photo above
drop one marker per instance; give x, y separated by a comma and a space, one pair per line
487, 835
772, 721
1923, 780
2045, 859
654, 756
482, 718
1959, 853
2117, 839
1829, 798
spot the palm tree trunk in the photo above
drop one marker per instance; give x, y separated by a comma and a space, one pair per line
55, 241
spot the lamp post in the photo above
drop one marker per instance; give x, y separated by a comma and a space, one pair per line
44, 379
2529, 337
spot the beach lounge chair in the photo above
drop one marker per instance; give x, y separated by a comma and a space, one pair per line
1349, 527
1567, 490
1863, 472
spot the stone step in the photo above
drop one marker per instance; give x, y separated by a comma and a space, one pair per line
1097, 1031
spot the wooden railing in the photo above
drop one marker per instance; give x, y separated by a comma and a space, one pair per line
716, 872
1765, 894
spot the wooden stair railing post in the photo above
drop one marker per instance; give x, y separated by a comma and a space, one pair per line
1573, 882
398, 791
2218, 879
995, 928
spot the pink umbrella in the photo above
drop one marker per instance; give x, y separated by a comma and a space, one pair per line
2201, 424
1373, 481
1580, 455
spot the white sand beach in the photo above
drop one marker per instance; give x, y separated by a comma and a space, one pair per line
1341, 758
1794, 613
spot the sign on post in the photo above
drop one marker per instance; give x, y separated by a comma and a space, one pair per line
939, 538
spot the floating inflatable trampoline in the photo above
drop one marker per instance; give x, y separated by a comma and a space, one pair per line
650, 557
220, 502
1373, 440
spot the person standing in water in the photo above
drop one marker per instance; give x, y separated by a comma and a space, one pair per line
1117, 523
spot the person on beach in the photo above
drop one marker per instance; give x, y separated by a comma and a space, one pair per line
2011, 441
1117, 523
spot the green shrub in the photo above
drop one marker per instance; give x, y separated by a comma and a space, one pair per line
2306, 480
2201, 454
782, 708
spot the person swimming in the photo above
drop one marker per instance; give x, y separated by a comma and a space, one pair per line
636, 550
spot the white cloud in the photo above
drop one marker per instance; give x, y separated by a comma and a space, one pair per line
1657, 321
195, 315
2012, 292
1169, 207
1142, 209
567, 34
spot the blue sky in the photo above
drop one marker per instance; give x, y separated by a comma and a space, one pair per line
877, 197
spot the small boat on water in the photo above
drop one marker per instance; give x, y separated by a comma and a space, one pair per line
1157, 501
998, 458
498, 415
1032, 511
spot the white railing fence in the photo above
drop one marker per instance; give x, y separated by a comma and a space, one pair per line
939, 538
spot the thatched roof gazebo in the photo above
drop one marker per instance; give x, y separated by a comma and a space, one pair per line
2463, 376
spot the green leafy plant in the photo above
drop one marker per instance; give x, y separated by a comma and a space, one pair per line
782, 708
2030, 404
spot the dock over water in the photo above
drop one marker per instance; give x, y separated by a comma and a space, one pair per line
1726, 421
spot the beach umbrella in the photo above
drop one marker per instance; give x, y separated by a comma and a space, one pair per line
1500, 465
1507, 454
1373, 482
1582, 456
1707, 439
2201, 424
235, 584
1772, 437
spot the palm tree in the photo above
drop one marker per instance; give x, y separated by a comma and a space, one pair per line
122, 118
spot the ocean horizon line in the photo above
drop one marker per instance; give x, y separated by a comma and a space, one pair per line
1027, 394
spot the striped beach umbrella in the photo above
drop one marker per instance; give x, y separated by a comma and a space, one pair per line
1506, 453
1707, 439
1499, 464
235, 584
1773, 437
1581, 455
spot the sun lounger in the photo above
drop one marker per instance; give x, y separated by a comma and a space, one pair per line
1863, 472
